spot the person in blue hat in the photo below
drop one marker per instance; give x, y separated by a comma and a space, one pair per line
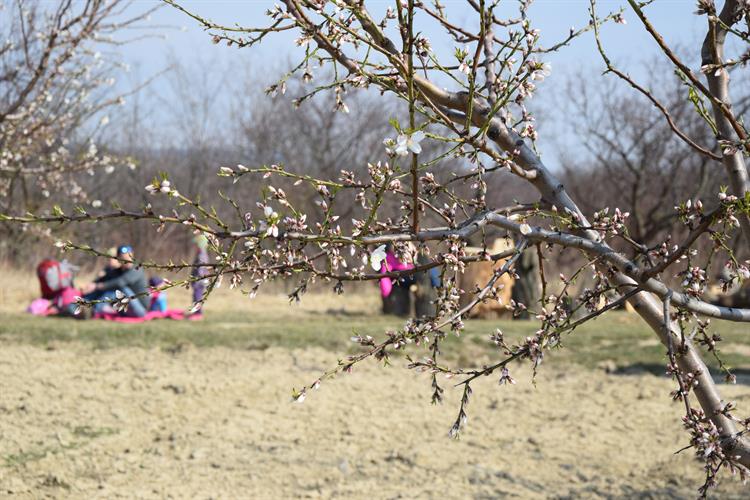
127, 279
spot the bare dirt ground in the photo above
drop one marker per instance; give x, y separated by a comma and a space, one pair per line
202, 410
218, 423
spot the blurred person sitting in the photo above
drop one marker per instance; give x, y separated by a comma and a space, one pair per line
111, 268
127, 279
158, 297
58, 290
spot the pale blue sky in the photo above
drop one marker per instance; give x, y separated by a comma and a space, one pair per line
628, 45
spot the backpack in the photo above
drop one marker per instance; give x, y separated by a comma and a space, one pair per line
54, 276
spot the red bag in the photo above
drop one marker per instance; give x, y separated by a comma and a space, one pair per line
54, 276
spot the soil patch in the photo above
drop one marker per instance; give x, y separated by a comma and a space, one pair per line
218, 423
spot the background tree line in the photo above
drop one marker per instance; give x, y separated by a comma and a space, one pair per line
628, 156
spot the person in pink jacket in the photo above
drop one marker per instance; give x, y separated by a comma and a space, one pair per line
391, 264
395, 292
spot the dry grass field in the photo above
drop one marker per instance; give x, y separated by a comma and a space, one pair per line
202, 409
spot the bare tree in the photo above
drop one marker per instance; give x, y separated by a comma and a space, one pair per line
308, 137
635, 158
483, 120
55, 97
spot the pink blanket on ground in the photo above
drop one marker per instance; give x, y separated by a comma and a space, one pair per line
41, 307
168, 314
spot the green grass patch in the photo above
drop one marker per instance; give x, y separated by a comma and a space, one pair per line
88, 432
84, 434
618, 336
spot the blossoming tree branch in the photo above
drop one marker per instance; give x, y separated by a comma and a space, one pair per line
56, 95
464, 121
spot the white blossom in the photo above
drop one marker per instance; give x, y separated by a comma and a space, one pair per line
377, 257
540, 71
406, 143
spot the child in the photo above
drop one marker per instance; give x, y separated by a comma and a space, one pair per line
158, 297
199, 271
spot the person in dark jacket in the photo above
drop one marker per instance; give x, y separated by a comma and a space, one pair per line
128, 279
111, 269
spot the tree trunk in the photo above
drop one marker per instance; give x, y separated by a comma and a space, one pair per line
527, 289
